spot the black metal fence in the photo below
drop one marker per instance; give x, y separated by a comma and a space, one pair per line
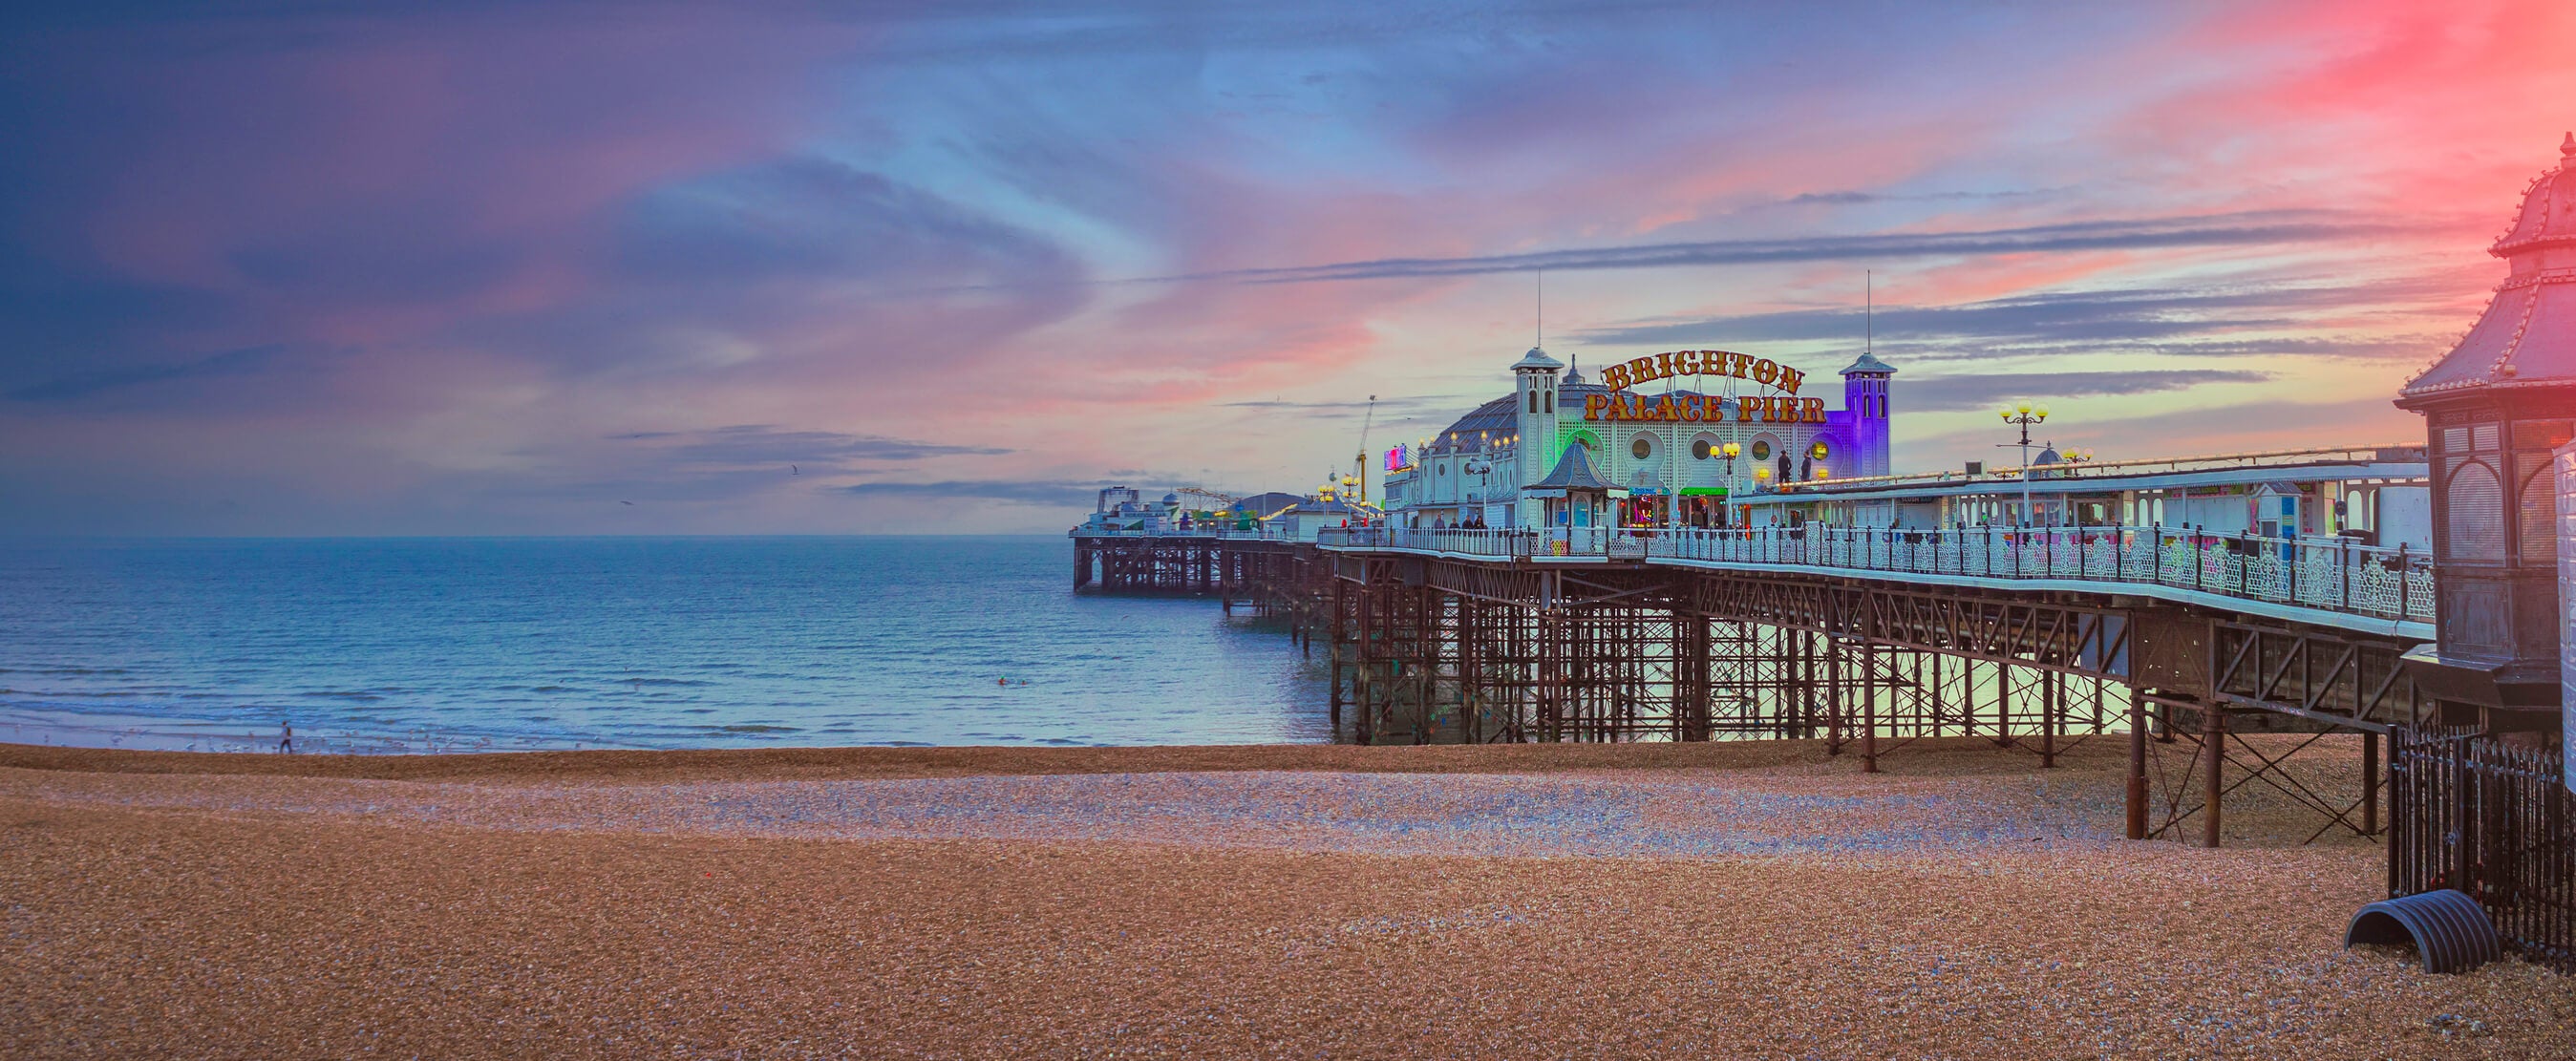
2468, 811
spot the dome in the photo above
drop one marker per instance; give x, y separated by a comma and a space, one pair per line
1491, 420
2527, 336
2049, 456
1536, 360
1171, 499
2548, 214
1869, 365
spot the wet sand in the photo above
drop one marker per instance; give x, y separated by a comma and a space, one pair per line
1728, 900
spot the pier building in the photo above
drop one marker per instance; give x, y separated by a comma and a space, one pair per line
1676, 439
2377, 495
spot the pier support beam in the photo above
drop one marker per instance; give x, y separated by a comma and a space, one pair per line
2369, 783
2137, 765
2214, 742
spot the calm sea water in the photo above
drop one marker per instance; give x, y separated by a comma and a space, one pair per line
458, 644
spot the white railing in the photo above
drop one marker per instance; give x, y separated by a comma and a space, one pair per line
2330, 574
1257, 533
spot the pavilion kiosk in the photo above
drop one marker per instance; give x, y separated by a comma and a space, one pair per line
1573, 500
2496, 409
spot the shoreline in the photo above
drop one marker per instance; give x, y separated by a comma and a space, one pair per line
1925, 756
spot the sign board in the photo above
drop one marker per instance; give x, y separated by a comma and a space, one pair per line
1783, 407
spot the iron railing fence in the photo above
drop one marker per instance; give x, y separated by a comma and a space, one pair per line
2468, 811
2329, 573
1262, 533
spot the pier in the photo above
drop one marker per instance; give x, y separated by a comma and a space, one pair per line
1685, 566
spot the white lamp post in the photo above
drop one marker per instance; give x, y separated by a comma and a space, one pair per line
2023, 415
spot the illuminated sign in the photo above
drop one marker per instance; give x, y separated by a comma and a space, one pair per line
1399, 458
1648, 369
1695, 409
1784, 407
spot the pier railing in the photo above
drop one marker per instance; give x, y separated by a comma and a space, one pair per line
1263, 533
2332, 574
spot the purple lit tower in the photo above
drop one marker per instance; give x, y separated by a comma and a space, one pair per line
1862, 421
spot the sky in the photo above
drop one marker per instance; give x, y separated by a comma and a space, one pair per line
466, 268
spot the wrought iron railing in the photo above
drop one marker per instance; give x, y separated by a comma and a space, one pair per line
1271, 533
2468, 811
2326, 573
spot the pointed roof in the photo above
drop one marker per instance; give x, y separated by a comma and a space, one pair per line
1573, 472
1537, 360
1869, 364
2527, 336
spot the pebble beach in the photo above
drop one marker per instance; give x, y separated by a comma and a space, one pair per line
1751, 899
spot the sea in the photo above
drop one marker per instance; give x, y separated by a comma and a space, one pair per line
492, 644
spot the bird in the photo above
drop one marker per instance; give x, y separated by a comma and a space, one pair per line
626, 502
791, 469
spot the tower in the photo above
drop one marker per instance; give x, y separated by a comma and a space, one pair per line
2494, 409
1534, 417
1865, 386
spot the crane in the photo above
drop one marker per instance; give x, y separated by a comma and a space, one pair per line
1361, 462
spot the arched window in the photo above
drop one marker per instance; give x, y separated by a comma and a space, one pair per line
2476, 518
2539, 508
1550, 402
1533, 401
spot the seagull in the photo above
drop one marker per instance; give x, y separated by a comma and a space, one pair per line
791, 469
626, 502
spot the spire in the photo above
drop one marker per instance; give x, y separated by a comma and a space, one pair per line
2522, 339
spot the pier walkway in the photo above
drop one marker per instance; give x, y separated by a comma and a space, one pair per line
2331, 582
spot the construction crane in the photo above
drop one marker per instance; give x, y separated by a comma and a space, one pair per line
1360, 463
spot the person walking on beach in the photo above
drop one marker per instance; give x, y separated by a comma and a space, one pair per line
286, 737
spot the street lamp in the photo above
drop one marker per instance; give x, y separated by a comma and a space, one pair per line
2023, 415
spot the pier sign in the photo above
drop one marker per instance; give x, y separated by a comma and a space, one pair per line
1653, 367
1694, 408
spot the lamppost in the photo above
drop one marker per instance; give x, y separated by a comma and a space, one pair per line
2023, 415
1729, 451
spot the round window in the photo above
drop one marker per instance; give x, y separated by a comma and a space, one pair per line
1699, 449
1761, 449
1642, 448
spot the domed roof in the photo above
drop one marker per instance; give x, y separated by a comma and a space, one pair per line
1537, 360
1869, 364
2548, 213
1483, 423
1171, 499
2527, 336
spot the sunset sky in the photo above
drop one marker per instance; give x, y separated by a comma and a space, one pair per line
469, 269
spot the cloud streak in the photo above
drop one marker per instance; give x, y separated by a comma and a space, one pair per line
1037, 492
2261, 228
1952, 393
2203, 321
